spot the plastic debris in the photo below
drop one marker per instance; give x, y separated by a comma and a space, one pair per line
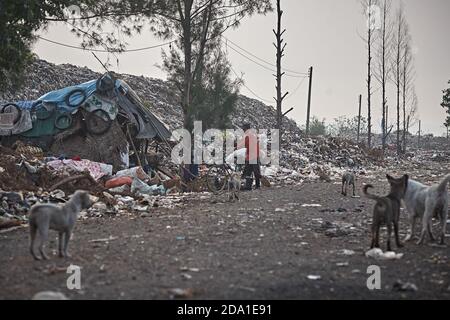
378, 254
49, 295
405, 286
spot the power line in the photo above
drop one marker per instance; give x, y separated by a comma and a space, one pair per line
102, 50
251, 91
296, 89
262, 60
263, 66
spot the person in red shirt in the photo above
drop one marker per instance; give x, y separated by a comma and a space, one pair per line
252, 163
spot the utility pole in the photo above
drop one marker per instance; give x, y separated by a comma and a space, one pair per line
309, 100
359, 117
280, 53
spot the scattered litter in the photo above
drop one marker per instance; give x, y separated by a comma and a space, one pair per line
186, 276
346, 252
378, 254
342, 264
405, 286
178, 293
314, 277
311, 205
111, 238
49, 295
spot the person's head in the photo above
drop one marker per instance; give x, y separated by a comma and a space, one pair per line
246, 126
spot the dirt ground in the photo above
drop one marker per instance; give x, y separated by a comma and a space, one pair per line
263, 247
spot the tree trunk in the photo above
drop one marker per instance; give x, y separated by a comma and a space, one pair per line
397, 64
369, 88
383, 79
405, 65
185, 16
280, 50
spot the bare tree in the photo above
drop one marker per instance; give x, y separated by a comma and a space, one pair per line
383, 58
369, 7
280, 53
399, 42
412, 109
408, 90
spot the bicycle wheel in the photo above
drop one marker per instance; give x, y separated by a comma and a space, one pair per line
217, 178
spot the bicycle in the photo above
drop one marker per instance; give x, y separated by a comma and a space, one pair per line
218, 177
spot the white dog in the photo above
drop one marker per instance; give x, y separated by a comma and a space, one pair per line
427, 202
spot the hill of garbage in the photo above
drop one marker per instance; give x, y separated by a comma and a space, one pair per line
42, 77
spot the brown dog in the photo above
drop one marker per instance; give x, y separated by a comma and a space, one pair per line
387, 210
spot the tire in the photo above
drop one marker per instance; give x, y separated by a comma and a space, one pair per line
97, 115
71, 93
19, 111
61, 116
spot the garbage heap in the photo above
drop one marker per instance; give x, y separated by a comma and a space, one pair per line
27, 177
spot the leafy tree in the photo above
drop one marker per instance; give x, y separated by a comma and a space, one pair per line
347, 128
19, 20
215, 96
317, 127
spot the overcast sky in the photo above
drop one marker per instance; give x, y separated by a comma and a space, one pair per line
320, 33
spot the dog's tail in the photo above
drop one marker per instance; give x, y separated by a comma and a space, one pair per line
371, 196
443, 184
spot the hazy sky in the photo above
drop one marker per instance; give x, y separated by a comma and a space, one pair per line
320, 33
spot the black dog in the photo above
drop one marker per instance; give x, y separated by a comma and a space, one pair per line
387, 210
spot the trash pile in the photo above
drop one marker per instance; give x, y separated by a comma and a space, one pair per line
161, 98
29, 178
320, 158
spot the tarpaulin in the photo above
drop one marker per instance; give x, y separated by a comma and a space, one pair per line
80, 93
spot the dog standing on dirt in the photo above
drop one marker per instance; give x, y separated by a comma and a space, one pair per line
427, 202
387, 211
234, 186
60, 218
348, 179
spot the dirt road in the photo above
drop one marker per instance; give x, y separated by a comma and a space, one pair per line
275, 244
